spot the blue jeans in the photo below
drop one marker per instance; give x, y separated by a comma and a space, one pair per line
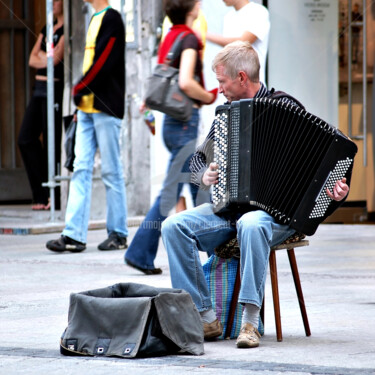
180, 140
96, 130
199, 229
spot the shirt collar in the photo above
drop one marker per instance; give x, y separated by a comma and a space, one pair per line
262, 92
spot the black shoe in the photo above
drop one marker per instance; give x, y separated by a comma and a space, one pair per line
65, 243
113, 242
146, 271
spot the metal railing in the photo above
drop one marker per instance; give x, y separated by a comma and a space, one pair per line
362, 24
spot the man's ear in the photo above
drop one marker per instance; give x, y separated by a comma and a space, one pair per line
243, 77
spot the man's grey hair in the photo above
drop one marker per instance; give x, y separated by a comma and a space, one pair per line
238, 56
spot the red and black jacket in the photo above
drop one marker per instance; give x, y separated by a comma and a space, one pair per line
106, 76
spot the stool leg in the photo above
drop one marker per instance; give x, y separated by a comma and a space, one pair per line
297, 283
275, 295
233, 302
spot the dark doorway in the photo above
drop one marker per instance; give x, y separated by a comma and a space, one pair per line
20, 23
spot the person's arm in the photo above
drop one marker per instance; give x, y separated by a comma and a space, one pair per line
58, 54
107, 50
38, 58
187, 83
223, 41
202, 157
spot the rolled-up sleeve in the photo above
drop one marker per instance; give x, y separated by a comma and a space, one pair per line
202, 157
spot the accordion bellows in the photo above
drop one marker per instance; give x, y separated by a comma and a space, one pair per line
280, 158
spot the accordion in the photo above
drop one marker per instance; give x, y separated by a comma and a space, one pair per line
277, 157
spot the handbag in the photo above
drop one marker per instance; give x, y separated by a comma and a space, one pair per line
163, 91
132, 320
220, 274
70, 141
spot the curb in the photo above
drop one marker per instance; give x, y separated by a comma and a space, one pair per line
43, 228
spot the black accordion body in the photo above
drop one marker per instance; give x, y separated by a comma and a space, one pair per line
279, 158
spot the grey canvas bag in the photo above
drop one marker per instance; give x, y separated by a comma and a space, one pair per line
163, 91
132, 320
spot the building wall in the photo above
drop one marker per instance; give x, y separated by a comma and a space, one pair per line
303, 53
137, 137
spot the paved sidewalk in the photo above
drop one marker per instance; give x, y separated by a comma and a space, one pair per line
337, 274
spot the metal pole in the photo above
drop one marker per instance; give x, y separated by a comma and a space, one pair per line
362, 23
12, 89
350, 69
364, 81
50, 107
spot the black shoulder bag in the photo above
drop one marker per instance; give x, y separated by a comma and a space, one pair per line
70, 140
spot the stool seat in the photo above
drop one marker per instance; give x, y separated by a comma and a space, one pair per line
289, 245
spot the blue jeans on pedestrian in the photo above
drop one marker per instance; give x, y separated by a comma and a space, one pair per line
96, 130
200, 229
180, 140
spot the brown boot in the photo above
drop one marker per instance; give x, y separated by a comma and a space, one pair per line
248, 337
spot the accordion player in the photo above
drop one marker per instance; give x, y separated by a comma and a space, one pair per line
278, 158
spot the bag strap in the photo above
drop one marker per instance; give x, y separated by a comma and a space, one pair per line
281, 94
175, 50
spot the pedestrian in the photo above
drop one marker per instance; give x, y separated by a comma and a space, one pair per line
99, 96
200, 229
246, 21
34, 150
179, 137
200, 29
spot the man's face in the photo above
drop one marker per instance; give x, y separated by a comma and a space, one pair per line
230, 88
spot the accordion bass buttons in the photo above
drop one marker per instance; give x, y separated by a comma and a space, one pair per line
220, 156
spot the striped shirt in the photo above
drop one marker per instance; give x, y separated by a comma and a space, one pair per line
203, 155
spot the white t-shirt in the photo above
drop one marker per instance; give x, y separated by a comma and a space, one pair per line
253, 18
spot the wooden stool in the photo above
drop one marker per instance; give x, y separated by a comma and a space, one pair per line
289, 247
